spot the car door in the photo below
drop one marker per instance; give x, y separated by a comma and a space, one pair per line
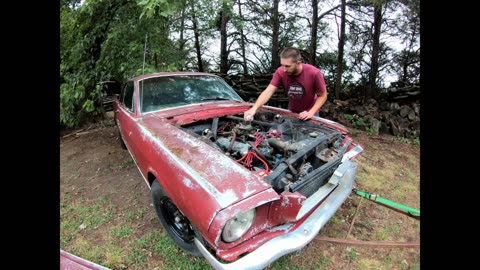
127, 121
126, 113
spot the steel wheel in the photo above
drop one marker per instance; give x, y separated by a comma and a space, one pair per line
175, 223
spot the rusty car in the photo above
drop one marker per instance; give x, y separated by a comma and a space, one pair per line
239, 193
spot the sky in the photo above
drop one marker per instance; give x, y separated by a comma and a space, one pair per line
326, 43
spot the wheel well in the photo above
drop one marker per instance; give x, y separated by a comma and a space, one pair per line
150, 178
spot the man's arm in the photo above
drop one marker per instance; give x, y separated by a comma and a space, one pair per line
261, 100
316, 106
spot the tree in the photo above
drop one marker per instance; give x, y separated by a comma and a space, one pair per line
406, 27
197, 37
275, 32
313, 32
377, 23
101, 41
242, 39
341, 44
225, 15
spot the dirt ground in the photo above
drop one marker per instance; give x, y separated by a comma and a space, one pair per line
93, 165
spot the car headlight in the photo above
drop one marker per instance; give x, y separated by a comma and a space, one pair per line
238, 226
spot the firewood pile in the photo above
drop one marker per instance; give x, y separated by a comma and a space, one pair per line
249, 87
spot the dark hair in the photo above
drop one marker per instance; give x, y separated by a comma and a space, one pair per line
291, 53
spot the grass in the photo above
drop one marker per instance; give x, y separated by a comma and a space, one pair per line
82, 215
414, 141
136, 214
119, 248
124, 163
122, 231
370, 264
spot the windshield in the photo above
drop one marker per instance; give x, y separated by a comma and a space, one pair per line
178, 90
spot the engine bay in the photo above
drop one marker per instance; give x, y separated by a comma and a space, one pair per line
288, 153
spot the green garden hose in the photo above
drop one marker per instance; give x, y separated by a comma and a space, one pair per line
415, 213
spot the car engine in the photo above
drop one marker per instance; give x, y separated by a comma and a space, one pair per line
290, 154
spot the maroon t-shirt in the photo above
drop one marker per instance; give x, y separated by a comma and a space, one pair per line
302, 90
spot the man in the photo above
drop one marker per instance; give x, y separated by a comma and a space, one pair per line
303, 84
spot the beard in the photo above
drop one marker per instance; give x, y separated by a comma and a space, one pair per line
293, 72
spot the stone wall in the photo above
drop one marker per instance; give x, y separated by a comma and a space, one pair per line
399, 119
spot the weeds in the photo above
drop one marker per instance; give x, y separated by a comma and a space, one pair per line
415, 141
121, 232
136, 214
352, 254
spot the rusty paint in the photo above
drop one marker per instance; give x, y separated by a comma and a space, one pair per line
226, 180
177, 151
223, 200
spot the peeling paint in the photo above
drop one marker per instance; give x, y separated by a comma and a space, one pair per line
223, 199
248, 186
285, 228
225, 162
188, 183
285, 201
228, 196
228, 105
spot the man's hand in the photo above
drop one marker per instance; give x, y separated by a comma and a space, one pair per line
248, 115
304, 115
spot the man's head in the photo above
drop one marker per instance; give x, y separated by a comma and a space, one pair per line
291, 61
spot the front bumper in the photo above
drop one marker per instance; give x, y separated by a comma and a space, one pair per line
298, 238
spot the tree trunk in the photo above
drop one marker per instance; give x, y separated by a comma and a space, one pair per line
197, 39
181, 41
182, 29
242, 40
223, 42
405, 66
377, 23
276, 27
313, 33
341, 44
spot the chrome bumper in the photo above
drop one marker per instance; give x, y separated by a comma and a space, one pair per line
300, 237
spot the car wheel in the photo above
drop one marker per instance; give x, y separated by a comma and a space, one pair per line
122, 143
175, 223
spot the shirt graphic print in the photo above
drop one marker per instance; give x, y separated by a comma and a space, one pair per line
296, 91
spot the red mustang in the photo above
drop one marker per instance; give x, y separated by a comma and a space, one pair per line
239, 193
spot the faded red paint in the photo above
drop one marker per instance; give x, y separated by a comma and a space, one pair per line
232, 254
207, 186
286, 209
155, 142
69, 261
261, 216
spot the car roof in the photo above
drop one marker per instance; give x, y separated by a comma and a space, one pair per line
159, 74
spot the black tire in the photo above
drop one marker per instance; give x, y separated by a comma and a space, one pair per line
175, 223
122, 143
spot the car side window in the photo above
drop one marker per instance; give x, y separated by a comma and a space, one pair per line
127, 97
